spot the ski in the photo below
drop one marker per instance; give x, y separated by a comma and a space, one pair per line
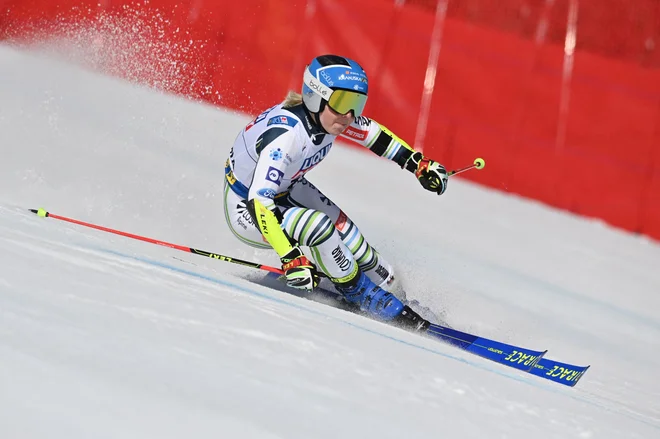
526, 360
506, 354
558, 372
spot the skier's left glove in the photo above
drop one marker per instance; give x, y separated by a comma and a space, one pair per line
431, 175
299, 271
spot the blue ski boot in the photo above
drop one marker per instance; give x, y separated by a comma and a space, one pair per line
380, 304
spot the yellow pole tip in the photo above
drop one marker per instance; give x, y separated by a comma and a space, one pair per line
42, 212
480, 163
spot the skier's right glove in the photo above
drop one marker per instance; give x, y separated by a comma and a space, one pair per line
299, 271
430, 174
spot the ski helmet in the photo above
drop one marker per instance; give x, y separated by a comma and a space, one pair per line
337, 81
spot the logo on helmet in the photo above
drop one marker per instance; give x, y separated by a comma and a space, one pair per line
327, 78
350, 76
318, 87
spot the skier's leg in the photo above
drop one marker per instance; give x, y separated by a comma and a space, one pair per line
377, 268
342, 253
370, 261
314, 229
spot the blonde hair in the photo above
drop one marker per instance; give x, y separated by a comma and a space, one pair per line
292, 99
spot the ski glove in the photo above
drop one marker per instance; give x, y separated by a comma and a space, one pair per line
431, 175
299, 271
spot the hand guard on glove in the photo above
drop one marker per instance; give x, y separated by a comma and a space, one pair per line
431, 175
299, 271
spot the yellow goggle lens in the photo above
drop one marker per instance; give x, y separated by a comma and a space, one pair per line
343, 101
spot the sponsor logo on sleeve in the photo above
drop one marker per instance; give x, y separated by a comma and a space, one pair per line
266, 193
355, 133
259, 118
282, 120
363, 121
276, 154
274, 175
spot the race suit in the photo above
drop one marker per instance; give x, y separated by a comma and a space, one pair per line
268, 162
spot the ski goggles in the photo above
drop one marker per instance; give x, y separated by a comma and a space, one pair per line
343, 101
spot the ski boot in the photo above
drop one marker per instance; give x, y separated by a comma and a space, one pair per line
380, 304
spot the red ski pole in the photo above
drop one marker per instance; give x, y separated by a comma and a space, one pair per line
44, 214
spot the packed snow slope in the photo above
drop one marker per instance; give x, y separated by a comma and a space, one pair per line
106, 337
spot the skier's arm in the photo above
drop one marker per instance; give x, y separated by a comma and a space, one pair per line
385, 143
266, 183
381, 141
277, 147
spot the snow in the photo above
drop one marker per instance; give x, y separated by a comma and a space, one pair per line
103, 336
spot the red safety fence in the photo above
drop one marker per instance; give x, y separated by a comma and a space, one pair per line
561, 97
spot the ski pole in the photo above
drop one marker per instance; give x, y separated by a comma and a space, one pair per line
479, 163
44, 214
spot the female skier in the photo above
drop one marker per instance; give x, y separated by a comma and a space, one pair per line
268, 201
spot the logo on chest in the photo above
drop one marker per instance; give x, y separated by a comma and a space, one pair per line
314, 160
